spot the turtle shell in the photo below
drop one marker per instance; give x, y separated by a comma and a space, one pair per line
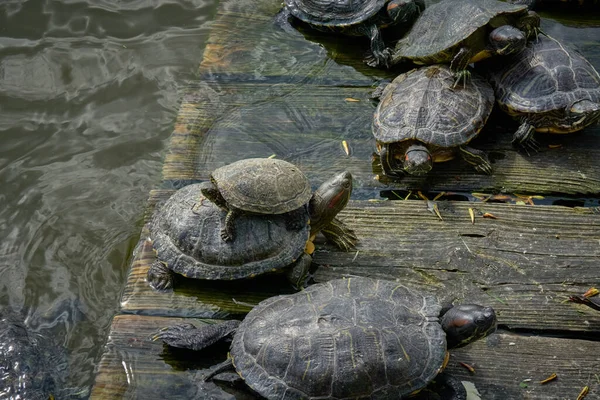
343, 339
186, 236
334, 13
454, 21
544, 77
263, 185
423, 105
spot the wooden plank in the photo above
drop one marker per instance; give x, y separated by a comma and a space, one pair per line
525, 263
306, 125
133, 366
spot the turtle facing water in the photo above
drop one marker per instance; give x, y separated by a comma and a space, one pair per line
353, 338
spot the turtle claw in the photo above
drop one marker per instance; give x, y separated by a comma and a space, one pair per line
379, 59
463, 76
160, 276
485, 168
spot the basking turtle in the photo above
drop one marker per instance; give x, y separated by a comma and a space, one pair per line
343, 339
422, 119
185, 235
355, 18
258, 186
466, 31
549, 88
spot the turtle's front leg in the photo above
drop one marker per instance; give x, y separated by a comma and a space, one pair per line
380, 56
523, 138
188, 336
228, 229
299, 272
340, 234
459, 65
389, 166
160, 276
477, 158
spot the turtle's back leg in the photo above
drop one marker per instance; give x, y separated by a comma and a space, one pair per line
524, 138
380, 56
188, 336
160, 276
477, 158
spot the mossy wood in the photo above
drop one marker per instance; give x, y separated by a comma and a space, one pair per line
507, 366
264, 91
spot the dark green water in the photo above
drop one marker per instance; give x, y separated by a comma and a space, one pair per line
88, 98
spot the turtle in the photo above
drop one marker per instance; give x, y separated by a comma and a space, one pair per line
466, 31
185, 235
258, 186
422, 119
548, 87
354, 338
31, 364
355, 18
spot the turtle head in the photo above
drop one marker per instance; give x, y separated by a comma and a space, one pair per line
466, 323
329, 199
400, 11
210, 190
507, 40
417, 160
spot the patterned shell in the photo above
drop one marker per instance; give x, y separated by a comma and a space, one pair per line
546, 76
263, 185
454, 21
334, 13
344, 339
423, 105
186, 235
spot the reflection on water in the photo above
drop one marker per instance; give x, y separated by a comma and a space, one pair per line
88, 96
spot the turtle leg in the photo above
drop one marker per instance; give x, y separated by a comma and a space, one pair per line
477, 158
226, 365
380, 56
387, 166
228, 230
340, 234
448, 387
299, 272
296, 220
523, 138
160, 276
188, 336
378, 92
459, 65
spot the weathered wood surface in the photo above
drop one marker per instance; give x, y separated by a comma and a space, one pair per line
263, 91
133, 366
525, 263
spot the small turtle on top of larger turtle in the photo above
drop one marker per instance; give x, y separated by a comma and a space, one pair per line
355, 18
185, 233
466, 31
258, 186
548, 87
422, 119
354, 338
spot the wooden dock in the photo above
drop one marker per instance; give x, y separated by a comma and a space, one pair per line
262, 91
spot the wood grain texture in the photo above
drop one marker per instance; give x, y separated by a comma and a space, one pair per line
525, 263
